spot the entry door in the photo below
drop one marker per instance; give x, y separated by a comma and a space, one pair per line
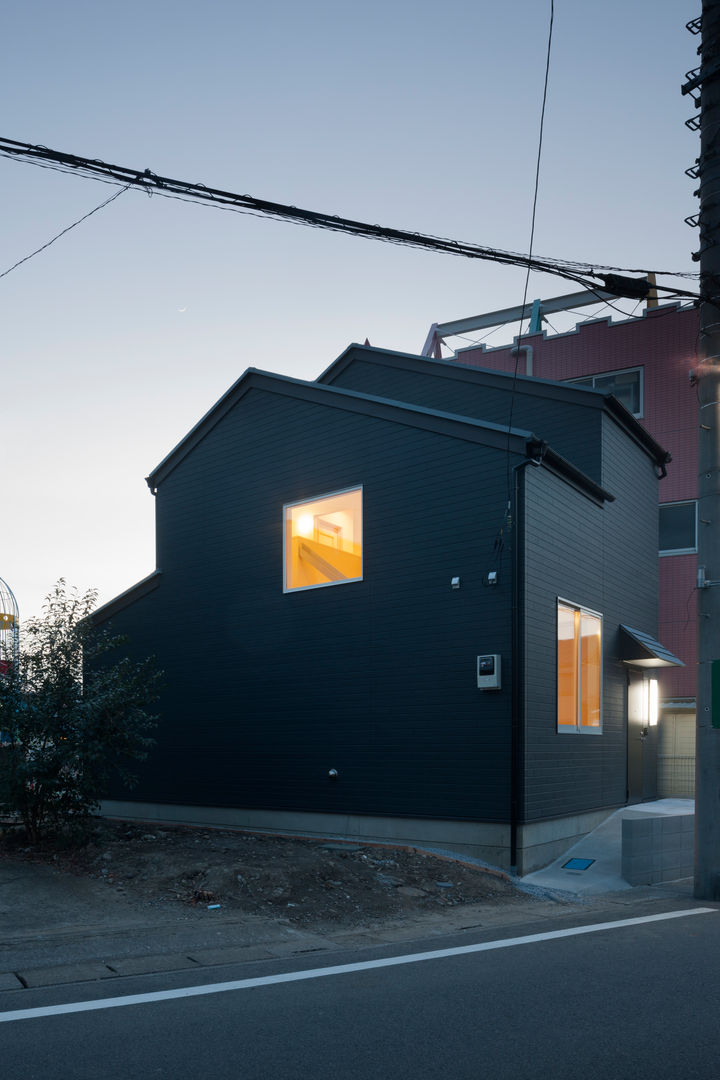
642, 743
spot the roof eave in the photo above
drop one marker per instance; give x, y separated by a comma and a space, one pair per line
513, 439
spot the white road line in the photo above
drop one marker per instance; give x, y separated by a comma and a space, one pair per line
339, 969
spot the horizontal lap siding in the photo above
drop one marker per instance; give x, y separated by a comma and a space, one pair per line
267, 691
572, 431
589, 555
663, 343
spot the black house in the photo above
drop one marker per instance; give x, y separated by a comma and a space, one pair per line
409, 601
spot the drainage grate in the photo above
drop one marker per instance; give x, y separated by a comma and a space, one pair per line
577, 864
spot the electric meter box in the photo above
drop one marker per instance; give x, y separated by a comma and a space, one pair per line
488, 672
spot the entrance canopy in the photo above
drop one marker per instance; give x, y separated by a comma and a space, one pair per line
642, 650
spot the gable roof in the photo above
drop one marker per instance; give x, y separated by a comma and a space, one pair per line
548, 389
459, 427
513, 440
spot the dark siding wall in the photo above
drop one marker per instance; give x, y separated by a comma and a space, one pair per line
266, 691
601, 558
663, 341
571, 430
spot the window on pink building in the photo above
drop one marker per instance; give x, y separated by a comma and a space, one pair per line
627, 386
678, 528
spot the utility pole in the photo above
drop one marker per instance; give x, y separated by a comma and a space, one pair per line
706, 81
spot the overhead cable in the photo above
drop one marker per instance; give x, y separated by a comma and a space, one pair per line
152, 183
64, 231
508, 458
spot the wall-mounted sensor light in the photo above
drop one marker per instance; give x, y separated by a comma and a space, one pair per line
333, 774
492, 578
455, 583
653, 710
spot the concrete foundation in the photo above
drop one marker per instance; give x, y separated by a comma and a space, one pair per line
538, 843
478, 840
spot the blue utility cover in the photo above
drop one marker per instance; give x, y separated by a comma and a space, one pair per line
577, 864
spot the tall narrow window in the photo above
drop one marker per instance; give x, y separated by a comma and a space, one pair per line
579, 669
678, 528
323, 541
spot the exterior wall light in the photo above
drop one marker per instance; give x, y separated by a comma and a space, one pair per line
652, 702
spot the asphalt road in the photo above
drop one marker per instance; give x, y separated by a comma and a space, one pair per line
571, 1001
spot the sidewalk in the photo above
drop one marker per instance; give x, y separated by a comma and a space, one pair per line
64, 936
56, 929
602, 849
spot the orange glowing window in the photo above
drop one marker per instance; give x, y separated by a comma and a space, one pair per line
579, 669
323, 541
567, 680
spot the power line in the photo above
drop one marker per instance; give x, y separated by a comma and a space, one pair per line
67, 230
146, 180
511, 474
529, 258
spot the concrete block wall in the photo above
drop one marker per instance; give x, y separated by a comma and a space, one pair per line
657, 848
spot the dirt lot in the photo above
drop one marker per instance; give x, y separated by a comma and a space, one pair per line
309, 883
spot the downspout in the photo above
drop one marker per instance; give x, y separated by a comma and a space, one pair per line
528, 350
517, 745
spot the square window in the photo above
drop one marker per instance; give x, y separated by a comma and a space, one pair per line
678, 528
579, 669
323, 541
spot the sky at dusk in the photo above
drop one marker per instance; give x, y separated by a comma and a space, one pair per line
123, 333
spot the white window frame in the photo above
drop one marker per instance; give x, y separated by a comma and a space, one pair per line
620, 371
663, 552
318, 498
578, 729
